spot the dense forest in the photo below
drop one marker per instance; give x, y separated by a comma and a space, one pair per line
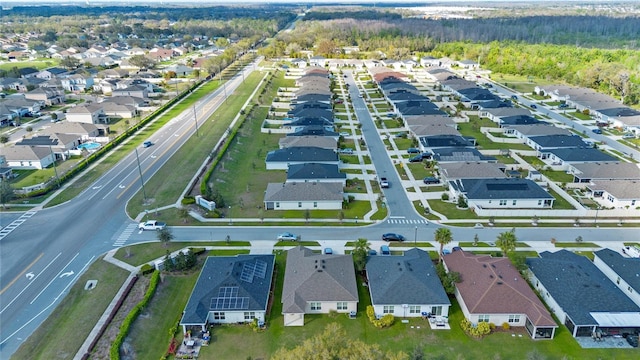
599, 52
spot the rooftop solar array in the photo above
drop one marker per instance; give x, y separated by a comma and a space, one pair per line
228, 300
253, 269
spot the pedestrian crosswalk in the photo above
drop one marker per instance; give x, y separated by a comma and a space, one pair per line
407, 221
17, 222
125, 234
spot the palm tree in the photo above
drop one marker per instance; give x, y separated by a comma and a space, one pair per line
506, 241
360, 252
443, 236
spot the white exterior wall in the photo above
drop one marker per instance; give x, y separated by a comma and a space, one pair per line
400, 311
327, 306
616, 203
31, 164
308, 205
234, 317
342, 181
520, 204
620, 283
281, 165
547, 298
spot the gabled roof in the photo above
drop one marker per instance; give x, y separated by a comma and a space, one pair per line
539, 129
508, 111
430, 120
317, 277
325, 142
494, 286
312, 113
558, 141
583, 154
314, 171
85, 109
460, 154
25, 153
579, 287
407, 279
418, 108
627, 268
608, 170
314, 130
518, 120
311, 121
304, 191
620, 189
70, 127
444, 141
472, 170
432, 130
230, 283
302, 153
502, 188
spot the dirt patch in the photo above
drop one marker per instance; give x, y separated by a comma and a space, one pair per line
101, 350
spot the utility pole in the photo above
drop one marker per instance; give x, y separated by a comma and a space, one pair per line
195, 118
144, 195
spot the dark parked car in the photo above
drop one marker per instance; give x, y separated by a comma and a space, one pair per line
431, 180
413, 150
393, 237
597, 131
534, 106
416, 158
384, 250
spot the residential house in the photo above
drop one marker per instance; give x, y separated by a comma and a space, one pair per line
312, 172
48, 96
315, 131
281, 159
495, 114
444, 141
77, 83
471, 170
619, 194
317, 284
621, 270
27, 157
118, 111
304, 196
492, 290
542, 144
317, 61
413, 108
60, 143
406, 285
133, 90
324, 142
159, 54
507, 193
90, 114
230, 290
581, 296
85, 131
179, 69
543, 129
113, 73
52, 73
588, 172
565, 158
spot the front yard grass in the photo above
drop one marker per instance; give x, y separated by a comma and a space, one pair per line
450, 210
144, 253
576, 245
63, 332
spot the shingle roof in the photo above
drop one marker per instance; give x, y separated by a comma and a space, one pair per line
304, 191
608, 170
558, 141
519, 120
620, 189
583, 154
325, 142
314, 130
539, 129
314, 171
444, 141
249, 276
418, 108
455, 154
25, 152
317, 277
505, 188
407, 279
578, 286
472, 170
494, 286
303, 153
627, 268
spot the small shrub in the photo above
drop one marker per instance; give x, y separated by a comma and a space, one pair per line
146, 269
197, 251
445, 197
188, 200
506, 326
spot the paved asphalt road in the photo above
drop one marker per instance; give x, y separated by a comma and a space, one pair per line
43, 256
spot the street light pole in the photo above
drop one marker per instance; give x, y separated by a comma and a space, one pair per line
144, 195
415, 238
55, 170
230, 221
595, 221
195, 118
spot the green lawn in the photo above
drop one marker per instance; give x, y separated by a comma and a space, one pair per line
450, 210
38, 64
472, 129
78, 313
419, 171
576, 245
558, 176
560, 202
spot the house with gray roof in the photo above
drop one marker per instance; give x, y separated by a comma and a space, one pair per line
444, 141
304, 196
433, 130
90, 114
406, 285
587, 172
501, 193
621, 270
317, 284
619, 194
83, 130
581, 296
430, 120
311, 172
492, 290
526, 131
547, 142
471, 170
315, 130
49, 96
460, 154
324, 142
412, 108
230, 290
495, 114
281, 159
27, 157
518, 120
566, 158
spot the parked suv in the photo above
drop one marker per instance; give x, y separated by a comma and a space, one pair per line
431, 180
412, 150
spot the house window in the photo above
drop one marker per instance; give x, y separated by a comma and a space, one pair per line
249, 315
610, 198
299, 204
483, 318
503, 202
436, 310
633, 202
315, 204
387, 309
277, 204
618, 280
630, 289
414, 309
315, 306
539, 202
514, 202
218, 316
342, 305
514, 319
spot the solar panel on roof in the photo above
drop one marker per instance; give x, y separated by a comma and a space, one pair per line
260, 269
509, 187
248, 271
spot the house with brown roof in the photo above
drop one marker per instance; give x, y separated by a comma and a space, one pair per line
492, 290
317, 284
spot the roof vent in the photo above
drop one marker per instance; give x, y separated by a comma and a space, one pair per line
484, 265
491, 276
319, 270
499, 282
493, 266
500, 276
